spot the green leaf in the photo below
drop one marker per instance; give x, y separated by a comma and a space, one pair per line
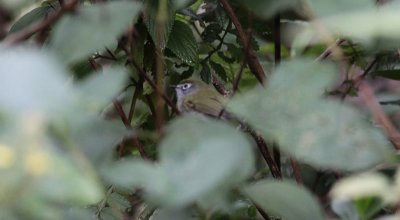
339, 7
92, 28
192, 167
211, 33
184, 4
205, 73
101, 87
191, 155
183, 43
219, 70
150, 19
292, 112
168, 214
268, 8
43, 86
390, 74
382, 30
30, 17
14, 5
142, 174
66, 183
286, 199
118, 201
369, 207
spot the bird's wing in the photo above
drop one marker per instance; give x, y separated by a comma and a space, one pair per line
212, 105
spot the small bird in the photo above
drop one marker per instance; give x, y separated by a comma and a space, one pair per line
196, 96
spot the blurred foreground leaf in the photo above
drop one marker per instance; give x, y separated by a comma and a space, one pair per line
200, 160
53, 135
321, 132
92, 28
285, 199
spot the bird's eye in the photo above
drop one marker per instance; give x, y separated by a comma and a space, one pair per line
186, 86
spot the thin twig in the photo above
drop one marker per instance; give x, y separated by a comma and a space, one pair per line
296, 171
276, 173
277, 55
252, 60
366, 93
263, 213
154, 86
138, 90
236, 82
242, 65
125, 121
40, 25
218, 47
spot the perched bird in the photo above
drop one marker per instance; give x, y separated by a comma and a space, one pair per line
196, 96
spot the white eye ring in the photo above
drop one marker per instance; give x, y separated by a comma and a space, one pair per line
186, 86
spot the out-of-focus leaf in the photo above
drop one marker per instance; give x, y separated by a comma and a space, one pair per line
190, 167
390, 74
15, 5
168, 214
95, 137
31, 81
362, 186
345, 209
108, 213
193, 163
268, 8
286, 199
382, 31
292, 112
150, 18
30, 17
182, 42
368, 207
92, 28
67, 184
142, 174
339, 7
118, 201
100, 88
178, 4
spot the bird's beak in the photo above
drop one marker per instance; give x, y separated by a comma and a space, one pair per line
173, 86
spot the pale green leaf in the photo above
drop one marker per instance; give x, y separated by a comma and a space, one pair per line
31, 81
203, 158
268, 8
91, 29
102, 87
321, 132
30, 17
325, 8
285, 199
192, 167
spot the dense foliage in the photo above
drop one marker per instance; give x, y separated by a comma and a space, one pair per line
89, 128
